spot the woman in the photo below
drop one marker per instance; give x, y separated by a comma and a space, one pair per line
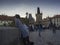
23, 29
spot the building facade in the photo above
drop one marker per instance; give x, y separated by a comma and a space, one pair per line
6, 20
45, 22
56, 20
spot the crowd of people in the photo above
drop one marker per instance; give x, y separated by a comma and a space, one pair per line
24, 30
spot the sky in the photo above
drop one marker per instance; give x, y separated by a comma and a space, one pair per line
47, 7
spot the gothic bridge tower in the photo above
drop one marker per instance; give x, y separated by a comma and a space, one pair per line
38, 16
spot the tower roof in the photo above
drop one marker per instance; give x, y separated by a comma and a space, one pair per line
38, 10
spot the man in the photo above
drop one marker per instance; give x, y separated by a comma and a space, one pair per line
23, 29
40, 29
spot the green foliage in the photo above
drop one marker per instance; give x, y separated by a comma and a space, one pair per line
12, 24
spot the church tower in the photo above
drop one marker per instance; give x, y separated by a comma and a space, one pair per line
38, 16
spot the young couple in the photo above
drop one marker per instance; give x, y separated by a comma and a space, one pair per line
23, 30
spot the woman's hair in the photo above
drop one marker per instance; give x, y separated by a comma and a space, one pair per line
17, 16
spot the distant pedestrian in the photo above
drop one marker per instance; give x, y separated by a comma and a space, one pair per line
40, 29
22, 29
35, 27
32, 27
54, 28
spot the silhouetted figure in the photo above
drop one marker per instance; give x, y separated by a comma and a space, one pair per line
54, 28
23, 30
40, 29
35, 27
31, 28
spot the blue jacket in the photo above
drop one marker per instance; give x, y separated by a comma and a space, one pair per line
22, 28
40, 28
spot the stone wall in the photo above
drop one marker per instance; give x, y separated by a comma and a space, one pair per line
8, 35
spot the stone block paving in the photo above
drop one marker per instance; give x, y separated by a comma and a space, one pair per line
47, 37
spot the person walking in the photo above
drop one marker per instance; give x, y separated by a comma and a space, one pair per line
54, 28
40, 29
23, 30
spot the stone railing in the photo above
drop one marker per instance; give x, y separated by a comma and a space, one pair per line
8, 35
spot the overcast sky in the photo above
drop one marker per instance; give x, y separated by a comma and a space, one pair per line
12, 7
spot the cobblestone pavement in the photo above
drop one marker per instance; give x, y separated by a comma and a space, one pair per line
47, 37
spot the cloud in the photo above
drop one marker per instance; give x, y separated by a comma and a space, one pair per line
29, 2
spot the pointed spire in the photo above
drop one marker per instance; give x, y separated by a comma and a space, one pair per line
38, 10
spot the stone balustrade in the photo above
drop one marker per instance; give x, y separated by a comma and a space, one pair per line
8, 35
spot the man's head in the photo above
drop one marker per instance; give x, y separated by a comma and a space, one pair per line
17, 16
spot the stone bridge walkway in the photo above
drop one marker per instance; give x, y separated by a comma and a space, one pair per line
47, 37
